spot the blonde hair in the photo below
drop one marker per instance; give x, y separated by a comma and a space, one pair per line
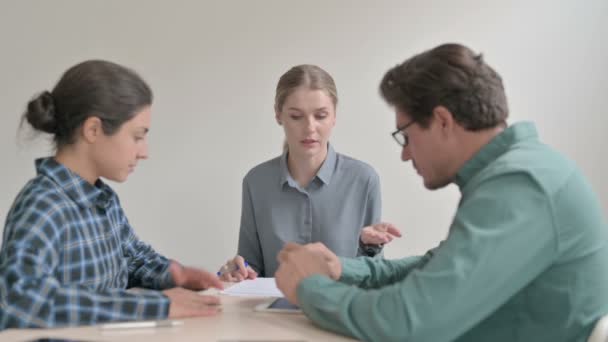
307, 75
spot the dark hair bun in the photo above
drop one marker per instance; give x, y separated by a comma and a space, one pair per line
41, 113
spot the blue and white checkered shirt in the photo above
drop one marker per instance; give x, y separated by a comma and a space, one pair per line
69, 256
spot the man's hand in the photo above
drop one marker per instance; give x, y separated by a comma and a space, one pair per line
298, 262
193, 278
186, 303
379, 234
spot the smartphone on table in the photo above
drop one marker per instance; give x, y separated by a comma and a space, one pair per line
279, 305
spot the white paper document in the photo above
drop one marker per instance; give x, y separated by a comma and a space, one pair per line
259, 287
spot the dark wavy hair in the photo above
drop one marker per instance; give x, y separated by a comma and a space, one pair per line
450, 75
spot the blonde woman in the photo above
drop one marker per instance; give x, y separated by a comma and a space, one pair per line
310, 193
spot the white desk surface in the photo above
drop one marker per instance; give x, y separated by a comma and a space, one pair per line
236, 323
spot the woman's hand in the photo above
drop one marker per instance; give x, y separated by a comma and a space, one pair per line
236, 270
379, 234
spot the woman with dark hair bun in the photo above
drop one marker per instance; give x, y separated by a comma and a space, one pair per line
69, 255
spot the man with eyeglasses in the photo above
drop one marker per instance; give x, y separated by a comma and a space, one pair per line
526, 257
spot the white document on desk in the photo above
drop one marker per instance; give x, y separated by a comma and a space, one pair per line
259, 287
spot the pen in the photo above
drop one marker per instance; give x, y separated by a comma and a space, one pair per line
141, 325
229, 268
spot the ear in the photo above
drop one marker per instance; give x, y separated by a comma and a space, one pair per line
91, 129
444, 119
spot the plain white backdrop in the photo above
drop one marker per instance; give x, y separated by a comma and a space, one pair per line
213, 66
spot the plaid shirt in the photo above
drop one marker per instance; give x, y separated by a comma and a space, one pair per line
69, 255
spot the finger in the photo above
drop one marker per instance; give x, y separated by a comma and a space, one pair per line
230, 278
316, 247
378, 235
325, 252
372, 238
225, 268
211, 311
225, 276
324, 248
381, 227
241, 267
283, 256
290, 246
251, 274
393, 230
211, 280
210, 300
229, 264
207, 311
278, 278
380, 240
389, 238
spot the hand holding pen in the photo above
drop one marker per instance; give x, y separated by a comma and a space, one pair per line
236, 269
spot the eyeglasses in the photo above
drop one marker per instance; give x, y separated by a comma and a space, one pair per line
400, 136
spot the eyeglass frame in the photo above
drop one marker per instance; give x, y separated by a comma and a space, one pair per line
399, 130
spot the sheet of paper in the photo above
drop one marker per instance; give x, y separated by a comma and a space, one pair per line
259, 287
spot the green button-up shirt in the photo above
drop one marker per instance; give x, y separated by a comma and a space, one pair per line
526, 259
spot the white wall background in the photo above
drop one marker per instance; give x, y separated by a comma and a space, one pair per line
214, 64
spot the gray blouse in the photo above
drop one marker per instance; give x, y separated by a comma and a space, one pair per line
343, 197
